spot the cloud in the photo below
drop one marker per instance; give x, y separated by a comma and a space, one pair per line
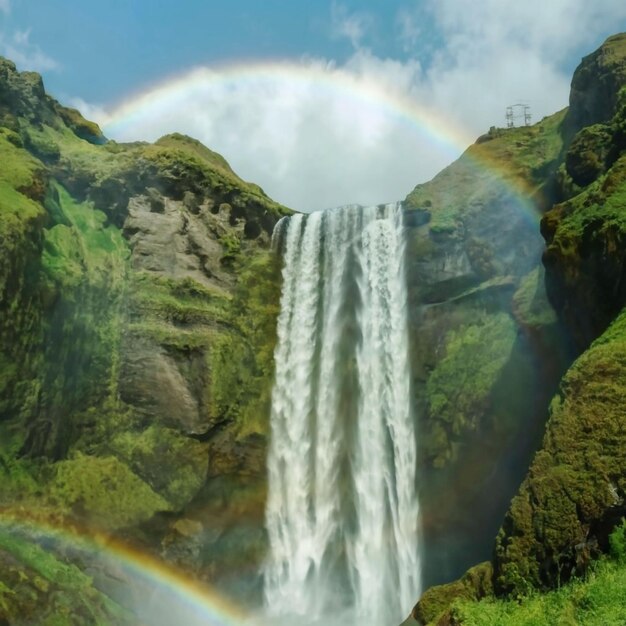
25, 54
5, 6
352, 26
409, 27
320, 133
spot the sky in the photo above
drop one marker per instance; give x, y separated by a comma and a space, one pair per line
322, 103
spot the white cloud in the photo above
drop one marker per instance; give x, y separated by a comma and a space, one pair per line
352, 26
5, 6
410, 28
318, 133
25, 54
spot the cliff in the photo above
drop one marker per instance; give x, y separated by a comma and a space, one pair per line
572, 497
137, 321
488, 349
138, 302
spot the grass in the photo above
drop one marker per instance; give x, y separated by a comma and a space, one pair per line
597, 600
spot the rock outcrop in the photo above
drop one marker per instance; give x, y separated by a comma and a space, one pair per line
138, 299
487, 348
573, 494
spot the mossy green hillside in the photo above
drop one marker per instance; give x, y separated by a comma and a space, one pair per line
37, 587
459, 388
576, 482
178, 166
181, 468
585, 234
82, 282
22, 184
506, 163
78, 304
87, 486
598, 598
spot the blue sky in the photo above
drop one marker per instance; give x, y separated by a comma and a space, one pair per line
462, 60
103, 50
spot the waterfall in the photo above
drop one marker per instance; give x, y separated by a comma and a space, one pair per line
342, 510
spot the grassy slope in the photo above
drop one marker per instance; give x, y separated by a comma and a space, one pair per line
598, 600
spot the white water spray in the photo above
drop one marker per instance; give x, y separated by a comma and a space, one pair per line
342, 512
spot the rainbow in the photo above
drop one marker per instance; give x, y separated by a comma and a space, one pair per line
195, 600
358, 92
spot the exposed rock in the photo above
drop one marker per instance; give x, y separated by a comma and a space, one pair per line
574, 492
487, 353
596, 85
138, 303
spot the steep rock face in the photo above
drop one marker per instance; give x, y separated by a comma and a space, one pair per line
573, 495
487, 349
575, 491
596, 84
584, 232
137, 324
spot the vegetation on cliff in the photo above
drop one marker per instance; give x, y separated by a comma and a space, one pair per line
138, 301
572, 498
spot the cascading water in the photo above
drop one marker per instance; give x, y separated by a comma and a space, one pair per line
342, 511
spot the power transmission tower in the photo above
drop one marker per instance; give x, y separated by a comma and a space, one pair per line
519, 111
510, 121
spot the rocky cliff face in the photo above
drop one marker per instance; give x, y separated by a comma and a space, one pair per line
487, 347
573, 494
138, 302
137, 311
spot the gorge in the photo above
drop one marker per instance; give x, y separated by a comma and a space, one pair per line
185, 411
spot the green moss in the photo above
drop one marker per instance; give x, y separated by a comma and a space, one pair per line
36, 586
598, 600
575, 479
458, 389
530, 302
104, 491
474, 585
617, 543
588, 154
20, 479
173, 465
21, 180
194, 147
255, 309
82, 128
178, 301
85, 248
